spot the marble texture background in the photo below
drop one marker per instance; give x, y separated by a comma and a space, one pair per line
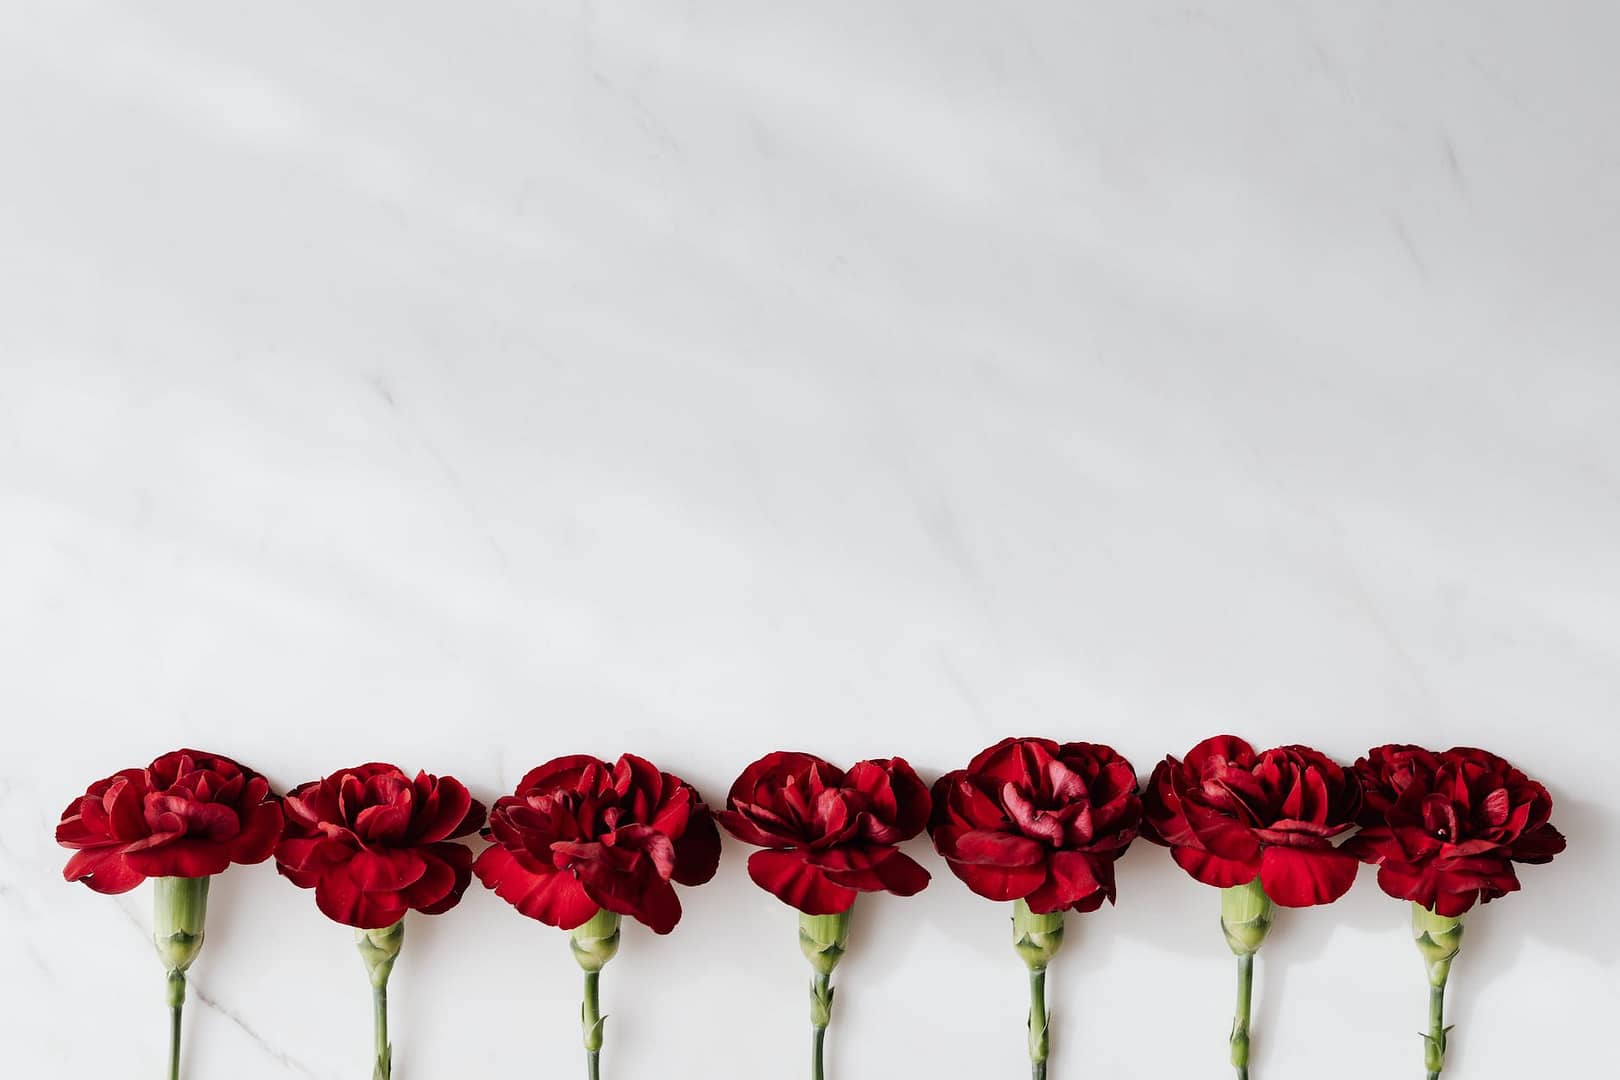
466, 384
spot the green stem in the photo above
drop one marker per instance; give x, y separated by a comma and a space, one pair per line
379, 1030
1438, 938
823, 940
1240, 1020
591, 1021
177, 1000
1037, 939
820, 990
179, 910
1246, 917
379, 949
1437, 1026
593, 943
1038, 1021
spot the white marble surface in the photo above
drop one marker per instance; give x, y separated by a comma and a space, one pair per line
465, 384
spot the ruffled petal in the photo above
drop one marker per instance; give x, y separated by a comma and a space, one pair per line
787, 876
1303, 877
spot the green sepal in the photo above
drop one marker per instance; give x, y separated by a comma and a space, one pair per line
1246, 917
1036, 937
595, 941
379, 949
1439, 939
179, 910
824, 939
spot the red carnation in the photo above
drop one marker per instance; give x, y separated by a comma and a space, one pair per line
581, 843
1041, 825
1445, 829
1260, 827
1229, 815
374, 844
188, 815
179, 821
827, 834
580, 835
1032, 820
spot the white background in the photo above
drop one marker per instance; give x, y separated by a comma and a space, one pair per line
465, 384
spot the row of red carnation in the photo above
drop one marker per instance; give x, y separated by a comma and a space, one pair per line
581, 840
1027, 818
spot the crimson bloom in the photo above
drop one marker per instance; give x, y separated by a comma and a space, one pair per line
185, 817
582, 843
579, 835
828, 835
1446, 829
374, 843
188, 815
1039, 824
1229, 815
1031, 820
1260, 827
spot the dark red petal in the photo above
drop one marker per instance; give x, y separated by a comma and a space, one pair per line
787, 876
1453, 905
181, 858
1302, 877
779, 765
550, 896
558, 773
1069, 881
1221, 835
1372, 845
1214, 870
912, 800
697, 851
311, 853
1226, 747
670, 816
1162, 819
986, 848
342, 901
872, 870
385, 869
743, 827
447, 814
257, 841
384, 823
902, 875
1009, 761
999, 882
75, 831
449, 872
103, 870
658, 907
1405, 881
1538, 846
